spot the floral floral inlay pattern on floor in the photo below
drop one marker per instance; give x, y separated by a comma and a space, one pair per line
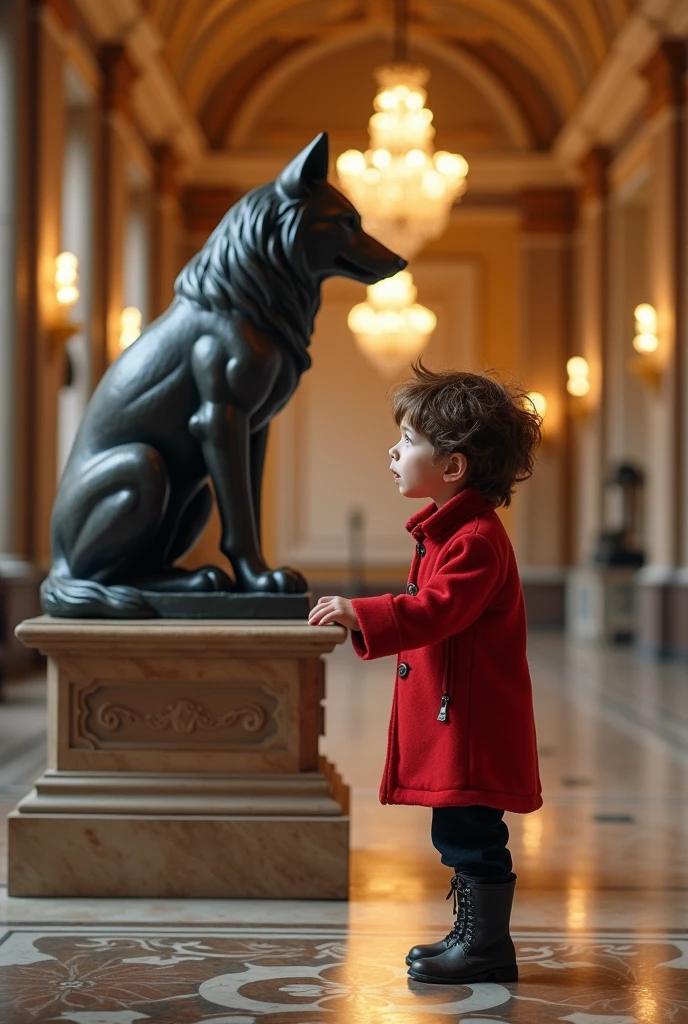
238, 977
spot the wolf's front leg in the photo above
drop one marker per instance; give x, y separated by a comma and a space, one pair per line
222, 425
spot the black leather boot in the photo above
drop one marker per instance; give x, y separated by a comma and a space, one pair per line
482, 949
435, 948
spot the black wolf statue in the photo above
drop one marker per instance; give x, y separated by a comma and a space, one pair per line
190, 404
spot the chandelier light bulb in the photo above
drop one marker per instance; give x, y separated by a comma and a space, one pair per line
381, 158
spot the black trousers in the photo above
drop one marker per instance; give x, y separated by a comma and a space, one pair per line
473, 840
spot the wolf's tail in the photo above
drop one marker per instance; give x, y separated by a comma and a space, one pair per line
67, 598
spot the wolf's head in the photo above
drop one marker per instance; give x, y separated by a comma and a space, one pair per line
271, 251
334, 243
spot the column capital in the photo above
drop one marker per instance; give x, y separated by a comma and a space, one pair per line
594, 167
548, 211
118, 77
665, 74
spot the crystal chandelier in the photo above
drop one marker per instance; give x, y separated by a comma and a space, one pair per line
391, 328
403, 189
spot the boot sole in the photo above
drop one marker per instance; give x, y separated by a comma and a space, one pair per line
498, 974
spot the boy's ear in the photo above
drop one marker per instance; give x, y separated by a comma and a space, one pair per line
457, 467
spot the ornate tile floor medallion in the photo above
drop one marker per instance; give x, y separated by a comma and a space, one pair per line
323, 976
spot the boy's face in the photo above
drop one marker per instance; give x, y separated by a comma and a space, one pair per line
418, 473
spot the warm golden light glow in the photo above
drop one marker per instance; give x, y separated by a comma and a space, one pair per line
403, 189
391, 328
646, 339
539, 402
578, 370
576, 909
645, 318
645, 342
532, 831
66, 278
130, 326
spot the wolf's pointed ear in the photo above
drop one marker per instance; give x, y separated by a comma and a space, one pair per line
310, 166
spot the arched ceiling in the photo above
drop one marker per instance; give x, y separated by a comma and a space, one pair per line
529, 60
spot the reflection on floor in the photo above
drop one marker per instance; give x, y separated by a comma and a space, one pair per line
601, 913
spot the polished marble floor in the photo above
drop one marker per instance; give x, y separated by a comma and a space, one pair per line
601, 913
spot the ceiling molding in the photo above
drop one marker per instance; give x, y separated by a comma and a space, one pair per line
618, 92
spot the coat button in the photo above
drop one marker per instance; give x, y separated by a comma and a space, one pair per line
412, 589
403, 670
420, 548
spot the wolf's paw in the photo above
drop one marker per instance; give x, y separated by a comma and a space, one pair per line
272, 581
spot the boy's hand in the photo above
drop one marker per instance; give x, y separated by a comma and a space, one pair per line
333, 609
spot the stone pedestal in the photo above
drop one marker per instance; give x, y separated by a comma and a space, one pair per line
600, 603
182, 762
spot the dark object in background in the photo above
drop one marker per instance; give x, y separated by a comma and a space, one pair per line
19, 585
191, 400
620, 545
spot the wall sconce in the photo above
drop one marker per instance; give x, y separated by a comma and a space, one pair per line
646, 365
66, 294
129, 326
578, 383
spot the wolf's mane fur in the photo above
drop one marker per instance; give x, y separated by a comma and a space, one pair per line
253, 263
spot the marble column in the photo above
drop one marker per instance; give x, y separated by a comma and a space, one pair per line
118, 76
662, 592
541, 507
18, 578
8, 297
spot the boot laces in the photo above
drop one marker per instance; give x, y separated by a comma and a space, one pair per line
458, 891
463, 931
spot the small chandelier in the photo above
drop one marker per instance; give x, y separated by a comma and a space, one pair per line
402, 188
391, 328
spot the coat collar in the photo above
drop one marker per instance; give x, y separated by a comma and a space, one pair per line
435, 522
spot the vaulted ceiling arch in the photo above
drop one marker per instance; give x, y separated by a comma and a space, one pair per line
533, 58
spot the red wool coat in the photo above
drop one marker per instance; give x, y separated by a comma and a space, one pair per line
460, 636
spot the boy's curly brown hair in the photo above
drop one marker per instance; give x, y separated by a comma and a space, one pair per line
493, 423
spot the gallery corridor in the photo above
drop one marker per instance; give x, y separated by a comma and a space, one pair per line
600, 920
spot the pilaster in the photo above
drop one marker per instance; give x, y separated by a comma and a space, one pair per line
589, 340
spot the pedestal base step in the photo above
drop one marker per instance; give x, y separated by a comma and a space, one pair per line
233, 856
204, 793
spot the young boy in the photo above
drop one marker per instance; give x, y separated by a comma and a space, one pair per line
462, 731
